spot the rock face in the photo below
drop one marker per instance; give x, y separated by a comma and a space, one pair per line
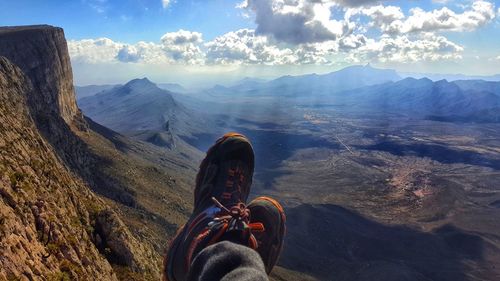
45, 212
41, 53
52, 226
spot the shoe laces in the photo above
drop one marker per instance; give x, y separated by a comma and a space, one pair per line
236, 218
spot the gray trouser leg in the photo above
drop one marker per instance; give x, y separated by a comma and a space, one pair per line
227, 261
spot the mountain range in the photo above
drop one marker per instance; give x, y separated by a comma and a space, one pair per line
312, 84
467, 101
450, 77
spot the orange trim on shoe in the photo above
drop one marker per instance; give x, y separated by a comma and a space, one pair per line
193, 246
274, 202
218, 235
257, 227
233, 134
253, 242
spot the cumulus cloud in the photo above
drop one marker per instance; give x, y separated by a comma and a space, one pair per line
356, 3
183, 46
391, 20
383, 17
94, 50
403, 49
176, 47
165, 3
297, 21
128, 54
310, 21
245, 46
481, 13
352, 42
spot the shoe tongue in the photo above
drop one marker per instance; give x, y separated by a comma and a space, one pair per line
237, 236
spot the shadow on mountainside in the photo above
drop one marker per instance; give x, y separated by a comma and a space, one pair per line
79, 158
333, 243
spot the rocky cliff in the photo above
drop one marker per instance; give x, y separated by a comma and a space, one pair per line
41, 53
52, 225
46, 214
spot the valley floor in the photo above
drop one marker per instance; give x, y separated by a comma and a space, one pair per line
373, 196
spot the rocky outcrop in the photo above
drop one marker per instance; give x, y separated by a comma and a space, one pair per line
113, 237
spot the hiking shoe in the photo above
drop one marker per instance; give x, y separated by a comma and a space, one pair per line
269, 213
222, 187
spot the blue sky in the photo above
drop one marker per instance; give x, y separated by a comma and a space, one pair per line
126, 20
206, 40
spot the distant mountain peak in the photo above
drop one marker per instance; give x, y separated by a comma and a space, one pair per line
140, 82
414, 81
442, 81
139, 86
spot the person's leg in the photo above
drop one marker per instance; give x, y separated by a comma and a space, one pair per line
227, 261
220, 214
230, 261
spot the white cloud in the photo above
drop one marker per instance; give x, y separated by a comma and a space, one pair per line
391, 20
245, 47
480, 14
94, 50
183, 46
352, 42
128, 54
182, 37
403, 49
383, 17
165, 3
180, 47
311, 21
297, 21
356, 3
